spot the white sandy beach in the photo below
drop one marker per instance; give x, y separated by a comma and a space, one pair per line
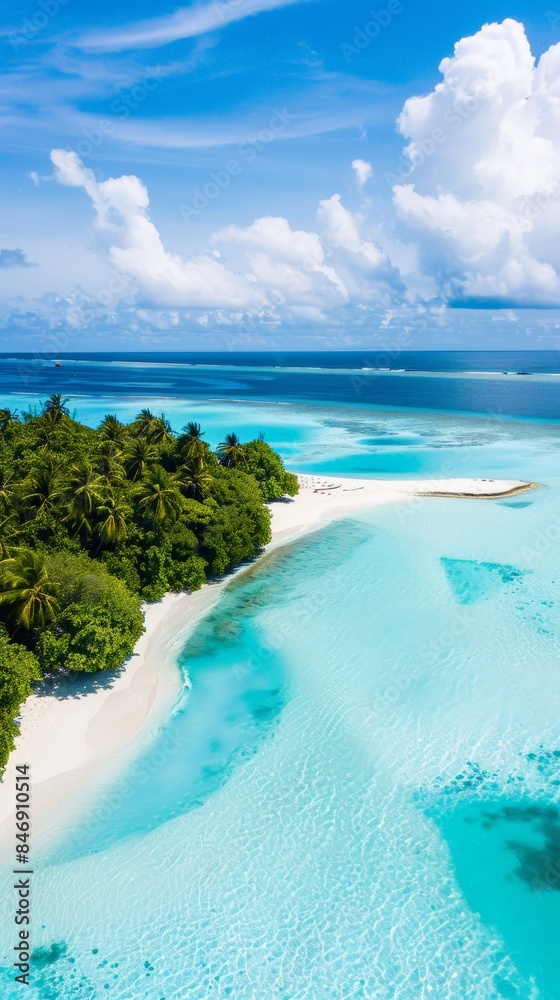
77, 740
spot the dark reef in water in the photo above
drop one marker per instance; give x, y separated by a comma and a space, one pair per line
472, 581
539, 866
49, 953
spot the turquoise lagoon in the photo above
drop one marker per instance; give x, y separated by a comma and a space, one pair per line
357, 794
354, 440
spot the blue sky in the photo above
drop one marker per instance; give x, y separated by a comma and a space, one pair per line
243, 174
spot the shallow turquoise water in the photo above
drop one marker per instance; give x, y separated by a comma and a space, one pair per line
356, 799
359, 441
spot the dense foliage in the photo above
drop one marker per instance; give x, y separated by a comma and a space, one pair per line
94, 521
18, 668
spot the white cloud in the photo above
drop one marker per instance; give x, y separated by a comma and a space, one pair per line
340, 225
342, 231
137, 252
363, 171
278, 273
289, 262
482, 193
187, 22
474, 218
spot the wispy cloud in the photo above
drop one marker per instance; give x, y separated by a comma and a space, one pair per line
187, 22
325, 104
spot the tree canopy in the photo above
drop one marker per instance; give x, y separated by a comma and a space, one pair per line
18, 669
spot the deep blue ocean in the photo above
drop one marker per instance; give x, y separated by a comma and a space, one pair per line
513, 383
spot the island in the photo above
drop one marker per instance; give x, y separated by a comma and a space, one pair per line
93, 522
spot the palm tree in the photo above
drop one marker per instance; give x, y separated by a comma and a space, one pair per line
160, 432
230, 451
190, 442
143, 422
8, 420
7, 488
111, 429
193, 430
111, 515
26, 591
195, 479
155, 430
41, 488
159, 497
110, 470
30, 415
84, 490
44, 432
55, 407
140, 455
83, 485
9, 531
109, 465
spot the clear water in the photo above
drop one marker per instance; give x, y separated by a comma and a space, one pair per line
359, 441
356, 796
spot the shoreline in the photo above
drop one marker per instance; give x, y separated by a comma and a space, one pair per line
79, 739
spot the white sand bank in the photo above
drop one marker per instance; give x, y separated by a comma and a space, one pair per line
69, 741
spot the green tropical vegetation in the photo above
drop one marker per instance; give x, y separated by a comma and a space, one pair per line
93, 522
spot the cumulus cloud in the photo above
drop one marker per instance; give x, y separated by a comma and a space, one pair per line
309, 274
363, 171
290, 263
136, 250
342, 229
280, 272
15, 258
473, 220
480, 194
